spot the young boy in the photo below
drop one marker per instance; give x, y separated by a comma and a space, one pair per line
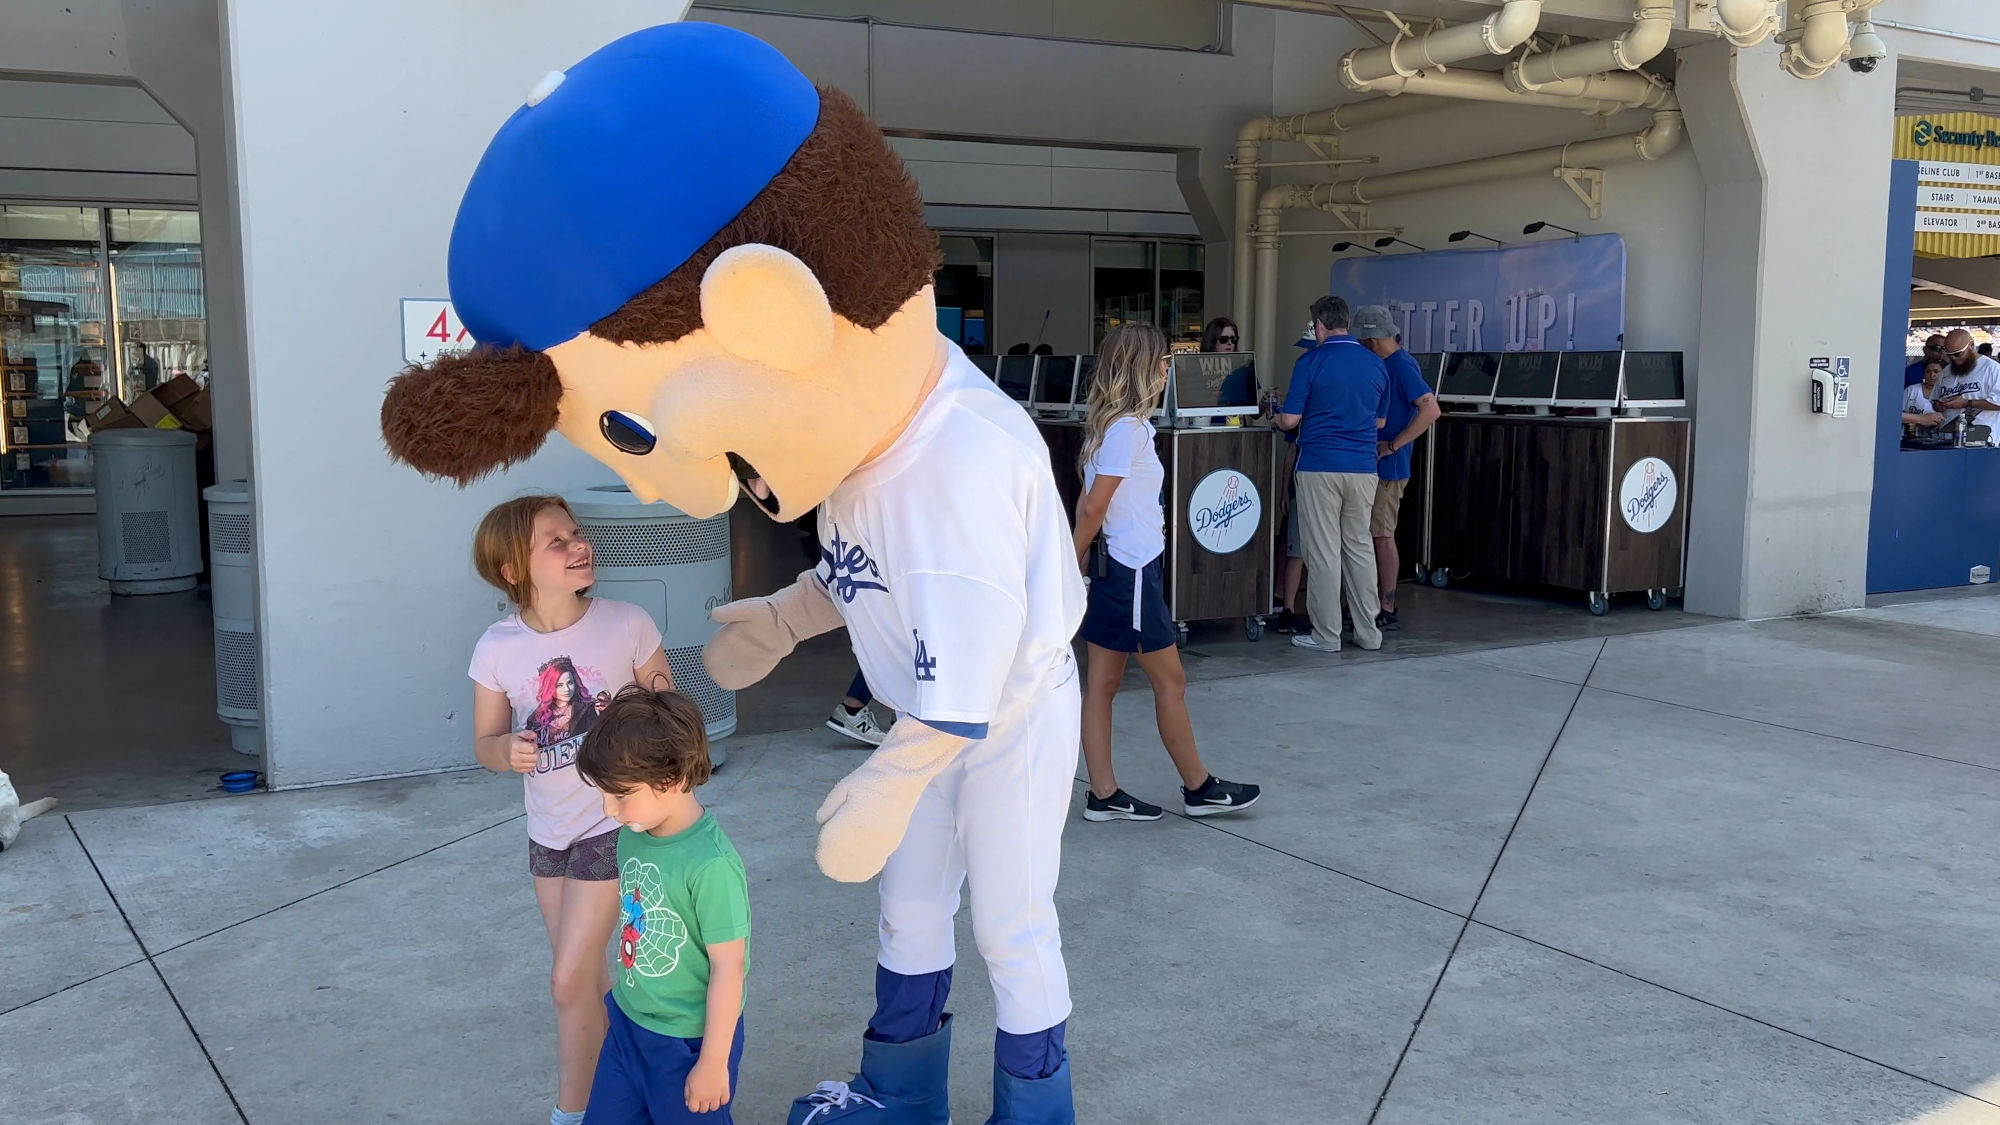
676, 1003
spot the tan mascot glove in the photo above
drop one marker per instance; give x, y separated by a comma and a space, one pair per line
864, 818
756, 633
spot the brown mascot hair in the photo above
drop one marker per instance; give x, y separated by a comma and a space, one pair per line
844, 205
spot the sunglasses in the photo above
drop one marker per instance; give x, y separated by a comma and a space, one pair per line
1225, 339
1961, 351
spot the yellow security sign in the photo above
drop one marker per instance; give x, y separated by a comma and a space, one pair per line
1958, 182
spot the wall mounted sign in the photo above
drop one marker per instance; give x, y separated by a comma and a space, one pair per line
1566, 294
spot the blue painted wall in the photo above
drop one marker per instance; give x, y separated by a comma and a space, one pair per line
1935, 514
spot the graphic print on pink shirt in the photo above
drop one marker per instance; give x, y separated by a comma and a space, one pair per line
565, 710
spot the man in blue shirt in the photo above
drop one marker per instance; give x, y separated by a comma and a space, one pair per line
1338, 399
1412, 409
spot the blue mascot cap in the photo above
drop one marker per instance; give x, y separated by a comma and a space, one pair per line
615, 173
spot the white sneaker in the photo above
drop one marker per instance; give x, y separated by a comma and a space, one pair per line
859, 726
1311, 643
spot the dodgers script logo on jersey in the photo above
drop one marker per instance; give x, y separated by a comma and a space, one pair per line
846, 570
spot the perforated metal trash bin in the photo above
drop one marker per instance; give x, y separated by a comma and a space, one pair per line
674, 566
148, 516
232, 578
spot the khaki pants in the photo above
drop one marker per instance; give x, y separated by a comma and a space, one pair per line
1334, 510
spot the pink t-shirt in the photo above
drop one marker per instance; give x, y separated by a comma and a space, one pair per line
557, 683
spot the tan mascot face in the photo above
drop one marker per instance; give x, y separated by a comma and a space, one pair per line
702, 326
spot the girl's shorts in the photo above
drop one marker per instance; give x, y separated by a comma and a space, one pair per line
592, 859
1127, 609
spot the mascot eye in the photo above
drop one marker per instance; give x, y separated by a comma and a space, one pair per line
628, 432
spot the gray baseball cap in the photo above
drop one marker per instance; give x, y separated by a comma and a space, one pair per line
1373, 322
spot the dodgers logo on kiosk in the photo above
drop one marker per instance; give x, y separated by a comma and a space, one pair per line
1647, 497
1224, 511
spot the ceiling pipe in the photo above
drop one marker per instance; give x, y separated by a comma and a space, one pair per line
1823, 37
1497, 34
1746, 23
1254, 134
1593, 93
1639, 45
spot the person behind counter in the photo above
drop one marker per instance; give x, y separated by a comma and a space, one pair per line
1412, 409
1970, 385
1126, 614
1917, 407
1933, 352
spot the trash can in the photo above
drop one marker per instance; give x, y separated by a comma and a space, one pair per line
232, 583
148, 514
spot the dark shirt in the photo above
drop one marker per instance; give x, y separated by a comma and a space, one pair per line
1406, 386
1339, 389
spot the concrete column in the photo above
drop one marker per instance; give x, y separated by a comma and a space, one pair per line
1797, 181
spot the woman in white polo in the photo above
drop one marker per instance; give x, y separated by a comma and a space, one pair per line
1127, 609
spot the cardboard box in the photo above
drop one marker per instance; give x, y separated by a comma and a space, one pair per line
174, 391
150, 411
112, 414
193, 411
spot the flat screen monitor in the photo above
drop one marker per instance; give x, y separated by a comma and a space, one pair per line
985, 363
1588, 379
1086, 370
1055, 382
1016, 377
1526, 379
1428, 365
1653, 379
1467, 377
1214, 385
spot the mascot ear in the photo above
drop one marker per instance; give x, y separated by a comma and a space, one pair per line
463, 416
762, 304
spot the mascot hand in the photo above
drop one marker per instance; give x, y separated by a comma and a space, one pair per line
756, 633
863, 820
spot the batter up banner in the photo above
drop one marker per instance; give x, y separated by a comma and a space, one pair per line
1563, 295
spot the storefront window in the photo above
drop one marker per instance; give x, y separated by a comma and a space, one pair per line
93, 303
162, 325
1147, 282
965, 291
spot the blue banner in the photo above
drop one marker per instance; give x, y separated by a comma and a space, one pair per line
1561, 295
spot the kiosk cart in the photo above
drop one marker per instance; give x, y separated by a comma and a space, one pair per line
1220, 474
1589, 501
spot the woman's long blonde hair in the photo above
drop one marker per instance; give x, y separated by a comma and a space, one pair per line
1128, 382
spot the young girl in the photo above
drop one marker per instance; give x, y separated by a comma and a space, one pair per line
1127, 608
540, 678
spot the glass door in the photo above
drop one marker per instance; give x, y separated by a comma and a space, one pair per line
53, 343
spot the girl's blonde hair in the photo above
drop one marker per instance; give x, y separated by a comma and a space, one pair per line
1128, 382
506, 538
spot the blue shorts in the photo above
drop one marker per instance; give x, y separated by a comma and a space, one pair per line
642, 1075
1127, 610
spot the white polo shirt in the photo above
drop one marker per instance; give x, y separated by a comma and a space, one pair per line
950, 558
1134, 524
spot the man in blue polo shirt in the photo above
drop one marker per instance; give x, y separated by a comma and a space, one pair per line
1412, 409
1338, 399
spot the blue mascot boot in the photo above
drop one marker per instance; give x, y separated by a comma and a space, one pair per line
899, 1084
1032, 1101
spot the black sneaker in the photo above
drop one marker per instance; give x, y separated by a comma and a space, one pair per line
1119, 806
1287, 622
1217, 796
1386, 621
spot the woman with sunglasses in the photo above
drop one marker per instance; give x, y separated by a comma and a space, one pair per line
1126, 614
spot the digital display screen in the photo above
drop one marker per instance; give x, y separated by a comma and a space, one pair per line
1016, 376
1588, 378
1058, 379
1469, 375
985, 363
1428, 365
1209, 382
1654, 377
1527, 376
1086, 370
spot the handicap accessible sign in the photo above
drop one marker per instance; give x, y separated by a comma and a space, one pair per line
1564, 295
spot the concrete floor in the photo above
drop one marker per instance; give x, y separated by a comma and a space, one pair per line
1721, 873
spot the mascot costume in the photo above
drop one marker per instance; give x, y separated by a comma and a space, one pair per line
714, 277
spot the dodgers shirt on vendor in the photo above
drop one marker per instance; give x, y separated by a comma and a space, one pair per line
950, 558
1406, 386
1339, 389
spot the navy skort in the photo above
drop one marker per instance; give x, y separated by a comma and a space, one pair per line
1127, 609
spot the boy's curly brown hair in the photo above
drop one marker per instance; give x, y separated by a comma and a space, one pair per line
647, 738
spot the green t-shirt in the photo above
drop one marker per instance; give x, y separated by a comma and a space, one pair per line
677, 896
